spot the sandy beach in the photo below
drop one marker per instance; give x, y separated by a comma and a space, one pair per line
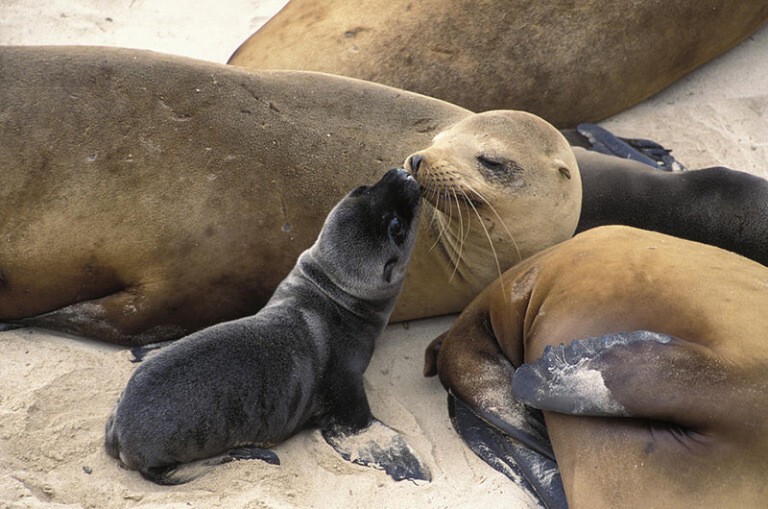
57, 391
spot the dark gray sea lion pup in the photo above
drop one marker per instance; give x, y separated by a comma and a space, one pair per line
647, 355
232, 389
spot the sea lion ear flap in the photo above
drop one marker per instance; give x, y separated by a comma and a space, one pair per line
430, 355
562, 167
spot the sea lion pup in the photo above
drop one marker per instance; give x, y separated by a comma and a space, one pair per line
228, 390
662, 401
146, 196
569, 62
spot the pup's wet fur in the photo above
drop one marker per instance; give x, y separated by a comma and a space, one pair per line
235, 388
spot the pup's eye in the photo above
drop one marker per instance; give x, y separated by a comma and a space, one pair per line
491, 164
360, 190
395, 230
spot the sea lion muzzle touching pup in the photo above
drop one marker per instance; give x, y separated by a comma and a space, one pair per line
171, 194
228, 390
500, 186
663, 401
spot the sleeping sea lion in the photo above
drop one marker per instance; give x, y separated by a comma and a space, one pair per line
647, 355
147, 196
568, 62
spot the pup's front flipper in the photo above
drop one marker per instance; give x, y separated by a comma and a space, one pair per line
379, 446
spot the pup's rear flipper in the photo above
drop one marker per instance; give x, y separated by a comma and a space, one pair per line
534, 472
180, 474
142, 353
378, 446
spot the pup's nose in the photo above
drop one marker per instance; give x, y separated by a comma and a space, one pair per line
414, 162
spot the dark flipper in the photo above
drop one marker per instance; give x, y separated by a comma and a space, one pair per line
597, 139
180, 474
639, 374
535, 473
509, 436
378, 446
6, 326
140, 353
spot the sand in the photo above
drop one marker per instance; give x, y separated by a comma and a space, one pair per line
56, 391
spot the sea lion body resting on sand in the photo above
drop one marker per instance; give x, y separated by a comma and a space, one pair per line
567, 62
255, 381
146, 196
663, 401
621, 184
718, 206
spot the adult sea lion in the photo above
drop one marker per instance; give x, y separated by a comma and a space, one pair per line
662, 401
717, 206
255, 381
569, 62
146, 196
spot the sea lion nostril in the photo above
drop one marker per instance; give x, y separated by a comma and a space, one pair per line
414, 162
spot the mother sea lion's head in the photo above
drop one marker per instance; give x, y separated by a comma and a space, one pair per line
503, 185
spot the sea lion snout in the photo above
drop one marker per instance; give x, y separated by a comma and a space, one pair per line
414, 162
401, 190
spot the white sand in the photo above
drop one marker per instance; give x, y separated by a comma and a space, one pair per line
56, 392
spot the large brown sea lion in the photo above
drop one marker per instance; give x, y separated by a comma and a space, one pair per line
663, 401
569, 62
145, 197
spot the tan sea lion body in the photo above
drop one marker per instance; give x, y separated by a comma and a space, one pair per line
671, 417
146, 196
568, 62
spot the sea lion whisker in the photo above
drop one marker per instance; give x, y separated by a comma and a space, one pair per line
450, 209
488, 235
462, 235
429, 193
493, 209
435, 218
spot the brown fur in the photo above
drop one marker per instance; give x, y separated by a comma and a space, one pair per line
568, 62
146, 196
617, 279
